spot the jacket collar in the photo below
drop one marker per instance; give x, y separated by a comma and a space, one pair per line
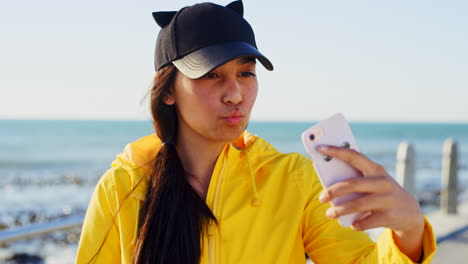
138, 156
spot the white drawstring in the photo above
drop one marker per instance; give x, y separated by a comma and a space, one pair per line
255, 202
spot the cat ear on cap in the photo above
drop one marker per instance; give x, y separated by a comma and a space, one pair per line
237, 6
163, 18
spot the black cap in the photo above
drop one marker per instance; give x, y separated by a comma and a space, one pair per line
199, 38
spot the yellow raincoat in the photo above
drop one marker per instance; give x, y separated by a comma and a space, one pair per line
266, 204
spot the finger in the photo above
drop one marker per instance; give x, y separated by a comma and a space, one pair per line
374, 220
379, 184
374, 203
354, 158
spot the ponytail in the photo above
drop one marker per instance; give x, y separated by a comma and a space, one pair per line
173, 216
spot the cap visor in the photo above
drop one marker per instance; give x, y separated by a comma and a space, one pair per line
200, 62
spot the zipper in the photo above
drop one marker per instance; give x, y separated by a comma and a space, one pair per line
211, 231
211, 255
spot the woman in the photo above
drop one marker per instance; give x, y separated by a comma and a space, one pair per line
204, 190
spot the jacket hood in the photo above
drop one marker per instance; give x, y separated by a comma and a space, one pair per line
140, 154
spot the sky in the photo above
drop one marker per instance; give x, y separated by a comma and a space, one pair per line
388, 61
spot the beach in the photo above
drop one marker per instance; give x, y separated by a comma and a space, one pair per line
48, 169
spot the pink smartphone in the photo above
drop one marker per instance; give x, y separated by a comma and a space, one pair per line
333, 131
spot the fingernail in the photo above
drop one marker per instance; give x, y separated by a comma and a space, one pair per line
329, 213
322, 148
322, 197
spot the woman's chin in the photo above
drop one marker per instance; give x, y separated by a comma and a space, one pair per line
233, 132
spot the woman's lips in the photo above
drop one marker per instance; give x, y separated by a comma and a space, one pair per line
233, 120
234, 117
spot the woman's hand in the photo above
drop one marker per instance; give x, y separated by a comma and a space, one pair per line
390, 204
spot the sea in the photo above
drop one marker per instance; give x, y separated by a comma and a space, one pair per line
49, 168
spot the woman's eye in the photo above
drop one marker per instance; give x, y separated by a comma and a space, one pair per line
210, 75
248, 74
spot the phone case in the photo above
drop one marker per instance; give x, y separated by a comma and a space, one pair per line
333, 131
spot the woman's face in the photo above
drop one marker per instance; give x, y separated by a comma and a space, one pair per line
217, 106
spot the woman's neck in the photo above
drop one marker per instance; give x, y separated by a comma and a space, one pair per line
199, 159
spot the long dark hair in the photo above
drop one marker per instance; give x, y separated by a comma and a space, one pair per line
173, 215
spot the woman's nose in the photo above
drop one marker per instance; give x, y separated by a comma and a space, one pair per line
233, 92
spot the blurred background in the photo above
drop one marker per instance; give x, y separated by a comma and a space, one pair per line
74, 76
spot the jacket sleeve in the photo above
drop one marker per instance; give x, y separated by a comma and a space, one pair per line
99, 240
326, 241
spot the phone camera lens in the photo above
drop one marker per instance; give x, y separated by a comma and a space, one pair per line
312, 137
327, 158
346, 145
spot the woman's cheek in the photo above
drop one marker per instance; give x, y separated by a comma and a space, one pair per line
209, 103
252, 97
